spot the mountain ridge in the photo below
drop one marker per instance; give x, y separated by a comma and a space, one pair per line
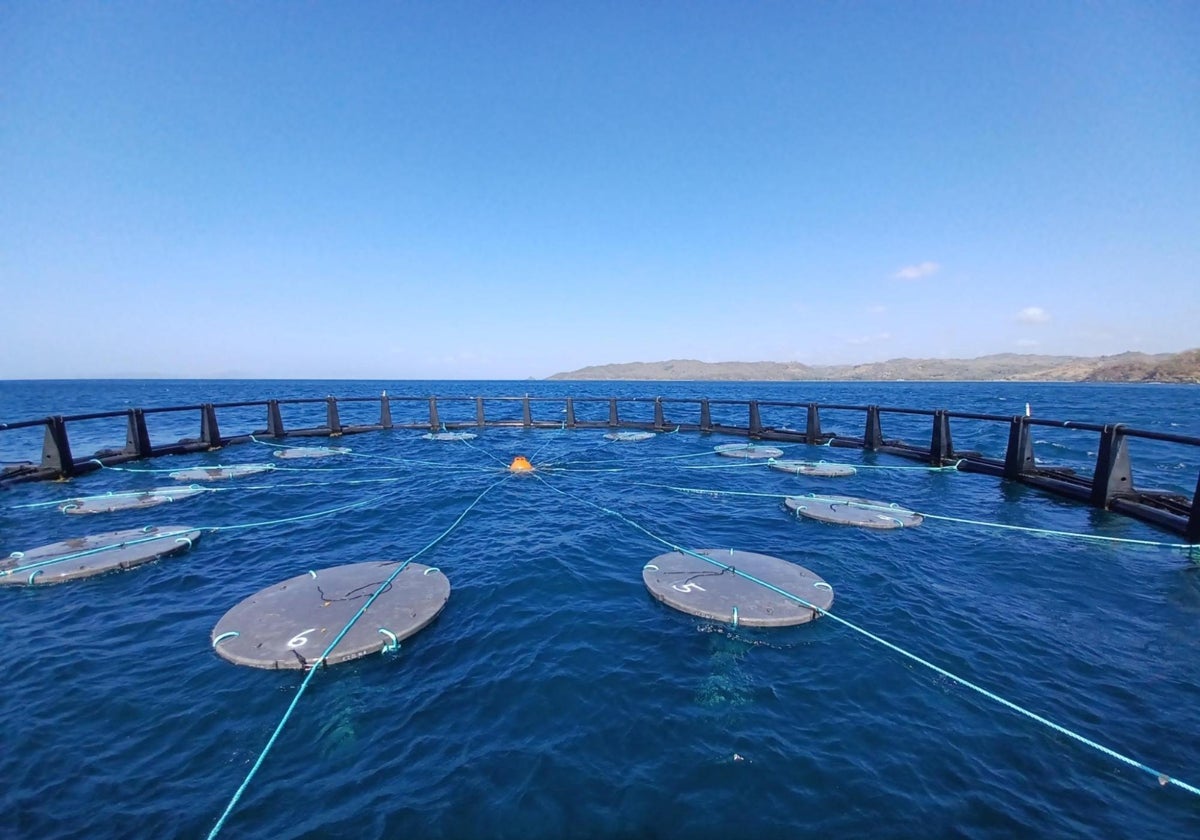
1131, 366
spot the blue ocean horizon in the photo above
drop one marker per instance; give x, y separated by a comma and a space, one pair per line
554, 697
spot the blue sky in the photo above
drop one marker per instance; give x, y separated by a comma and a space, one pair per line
488, 190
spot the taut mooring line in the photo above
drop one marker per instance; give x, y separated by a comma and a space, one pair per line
216, 829
1162, 778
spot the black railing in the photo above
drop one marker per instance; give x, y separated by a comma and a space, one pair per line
1110, 485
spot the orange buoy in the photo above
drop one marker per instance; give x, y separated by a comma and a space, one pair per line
520, 464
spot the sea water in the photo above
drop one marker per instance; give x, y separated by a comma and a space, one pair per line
554, 697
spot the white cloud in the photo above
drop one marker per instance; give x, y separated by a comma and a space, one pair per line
1028, 342
1033, 315
916, 272
877, 309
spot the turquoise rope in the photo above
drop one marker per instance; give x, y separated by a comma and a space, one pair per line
272, 467
1187, 547
485, 452
89, 552
1062, 730
212, 529
300, 518
337, 639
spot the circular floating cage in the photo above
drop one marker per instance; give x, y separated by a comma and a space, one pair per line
628, 437
84, 557
737, 587
112, 502
747, 450
310, 452
449, 436
849, 510
220, 473
291, 624
818, 468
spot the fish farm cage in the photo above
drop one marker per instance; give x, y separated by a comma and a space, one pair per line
1110, 485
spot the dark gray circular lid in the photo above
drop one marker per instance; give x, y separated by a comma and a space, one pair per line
291, 624
220, 473
817, 468
96, 554
293, 452
737, 587
629, 437
850, 510
747, 450
131, 500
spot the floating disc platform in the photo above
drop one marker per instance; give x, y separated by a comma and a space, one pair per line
736, 587
84, 557
220, 473
290, 624
848, 510
747, 450
449, 436
819, 468
112, 502
310, 452
628, 437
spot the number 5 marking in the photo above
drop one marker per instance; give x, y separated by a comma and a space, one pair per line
300, 639
687, 587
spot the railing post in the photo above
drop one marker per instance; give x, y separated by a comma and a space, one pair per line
941, 447
1113, 474
210, 432
331, 416
385, 411
705, 416
1018, 458
1192, 532
660, 422
137, 438
479, 417
274, 420
812, 424
614, 419
434, 422
570, 413
56, 447
526, 414
873, 434
755, 419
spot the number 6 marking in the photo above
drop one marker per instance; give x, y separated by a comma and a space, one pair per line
300, 639
687, 587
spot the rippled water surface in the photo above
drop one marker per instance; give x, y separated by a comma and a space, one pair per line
553, 697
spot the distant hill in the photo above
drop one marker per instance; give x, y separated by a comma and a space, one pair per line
1126, 367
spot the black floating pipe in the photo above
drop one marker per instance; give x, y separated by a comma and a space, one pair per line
526, 414
614, 419
434, 423
705, 416
385, 411
479, 415
570, 413
1113, 474
659, 422
210, 432
274, 420
56, 447
755, 419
